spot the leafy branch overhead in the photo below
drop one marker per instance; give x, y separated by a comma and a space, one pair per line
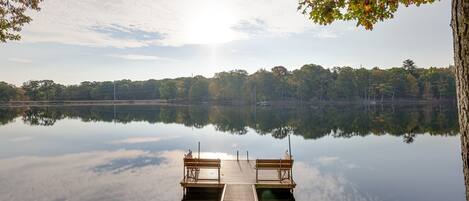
13, 16
365, 12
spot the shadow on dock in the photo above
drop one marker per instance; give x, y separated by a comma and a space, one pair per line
202, 194
275, 195
215, 194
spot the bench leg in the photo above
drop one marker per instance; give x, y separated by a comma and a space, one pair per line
257, 177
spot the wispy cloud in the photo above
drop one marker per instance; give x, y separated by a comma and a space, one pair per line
326, 33
139, 57
123, 24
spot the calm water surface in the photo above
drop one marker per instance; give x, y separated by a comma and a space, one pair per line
352, 153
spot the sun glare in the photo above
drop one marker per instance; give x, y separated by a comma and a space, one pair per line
211, 23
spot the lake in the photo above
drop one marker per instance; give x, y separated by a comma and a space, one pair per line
344, 152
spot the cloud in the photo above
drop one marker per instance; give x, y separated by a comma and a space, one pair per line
326, 33
138, 57
20, 60
128, 24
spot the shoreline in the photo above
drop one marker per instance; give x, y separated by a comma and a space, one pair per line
216, 103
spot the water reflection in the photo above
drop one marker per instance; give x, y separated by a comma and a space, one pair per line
100, 175
75, 153
124, 164
135, 175
310, 122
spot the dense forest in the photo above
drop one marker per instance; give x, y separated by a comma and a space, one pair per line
309, 83
337, 120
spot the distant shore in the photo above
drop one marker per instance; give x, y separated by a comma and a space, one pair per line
228, 103
84, 103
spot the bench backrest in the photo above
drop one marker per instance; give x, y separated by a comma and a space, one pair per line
201, 160
274, 163
202, 163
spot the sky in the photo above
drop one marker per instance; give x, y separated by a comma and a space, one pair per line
88, 40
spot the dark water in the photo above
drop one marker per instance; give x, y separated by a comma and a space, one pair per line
348, 152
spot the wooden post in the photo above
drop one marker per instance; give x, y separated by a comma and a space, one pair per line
218, 174
237, 155
247, 155
289, 146
256, 173
198, 150
289, 151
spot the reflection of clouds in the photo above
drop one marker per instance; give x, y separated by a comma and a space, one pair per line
124, 175
136, 140
333, 160
314, 185
136, 175
327, 160
123, 164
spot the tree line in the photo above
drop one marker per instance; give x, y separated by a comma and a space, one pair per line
309, 83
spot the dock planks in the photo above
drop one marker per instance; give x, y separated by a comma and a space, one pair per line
237, 192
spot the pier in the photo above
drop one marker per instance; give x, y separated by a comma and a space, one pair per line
238, 180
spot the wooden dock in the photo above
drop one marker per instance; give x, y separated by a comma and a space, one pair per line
238, 180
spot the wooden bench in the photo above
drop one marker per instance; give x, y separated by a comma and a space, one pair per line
283, 167
192, 167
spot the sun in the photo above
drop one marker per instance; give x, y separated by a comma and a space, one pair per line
211, 23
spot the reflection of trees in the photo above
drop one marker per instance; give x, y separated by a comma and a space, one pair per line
312, 123
42, 117
409, 138
229, 119
7, 115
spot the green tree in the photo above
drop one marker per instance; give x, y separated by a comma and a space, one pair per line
13, 15
282, 87
8, 92
228, 85
346, 83
363, 76
412, 88
261, 86
168, 89
409, 66
199, 89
